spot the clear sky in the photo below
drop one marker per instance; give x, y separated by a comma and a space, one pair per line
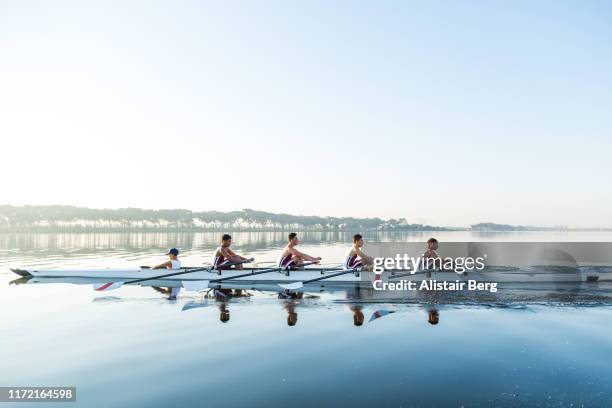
441, 112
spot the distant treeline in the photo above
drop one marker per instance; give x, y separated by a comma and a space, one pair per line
489, 226
60, 217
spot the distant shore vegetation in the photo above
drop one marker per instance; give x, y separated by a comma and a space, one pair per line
70, 218
60, 217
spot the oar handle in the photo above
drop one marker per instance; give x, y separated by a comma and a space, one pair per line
245, 274
252, 273
167, 275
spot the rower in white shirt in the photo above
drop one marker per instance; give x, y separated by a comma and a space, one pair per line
172, 262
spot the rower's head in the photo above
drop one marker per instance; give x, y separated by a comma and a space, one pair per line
433, 317
173, 253
293, 239
358, 240
432, 243
292, 318
226, 240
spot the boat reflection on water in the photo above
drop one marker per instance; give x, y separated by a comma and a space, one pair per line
356, 297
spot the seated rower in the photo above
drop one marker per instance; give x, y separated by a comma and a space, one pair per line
355, 258
172, 262
224, 257
431, 259
291, 257
432, 247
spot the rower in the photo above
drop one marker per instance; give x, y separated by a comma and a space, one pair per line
431, 259
432, 247
291, 257
172, 262
224, 257
355, 258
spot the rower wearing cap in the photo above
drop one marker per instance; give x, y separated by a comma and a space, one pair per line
225, 258
172, 262
291, 257
355, 258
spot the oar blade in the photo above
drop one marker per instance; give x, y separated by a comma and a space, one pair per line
103, 287
291, 286
193, 305
195, 286
380, 313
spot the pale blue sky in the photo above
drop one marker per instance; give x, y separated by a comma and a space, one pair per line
444, 112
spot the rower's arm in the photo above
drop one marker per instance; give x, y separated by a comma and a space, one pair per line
363, 256
307, 257
165, 265
226, 252
231, 254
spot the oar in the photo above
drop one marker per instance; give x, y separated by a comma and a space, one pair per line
298, 285
199, 285
182, 268
116, 285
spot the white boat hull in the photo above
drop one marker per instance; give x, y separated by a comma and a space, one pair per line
126, 274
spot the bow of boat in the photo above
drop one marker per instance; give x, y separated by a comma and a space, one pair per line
21, 272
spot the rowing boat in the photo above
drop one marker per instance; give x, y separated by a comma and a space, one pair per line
529, 274
564, 292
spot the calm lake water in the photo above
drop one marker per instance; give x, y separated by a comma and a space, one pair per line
134, 347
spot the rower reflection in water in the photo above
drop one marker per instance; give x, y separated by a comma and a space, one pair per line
224, 314
358, 317
170, 292
433, 317
291, 257
289, 294
292, 315
224, 257
223, 294
355, 257
172, 263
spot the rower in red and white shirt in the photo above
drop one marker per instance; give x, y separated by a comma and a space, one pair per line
225, 258
355, 258
291, 257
